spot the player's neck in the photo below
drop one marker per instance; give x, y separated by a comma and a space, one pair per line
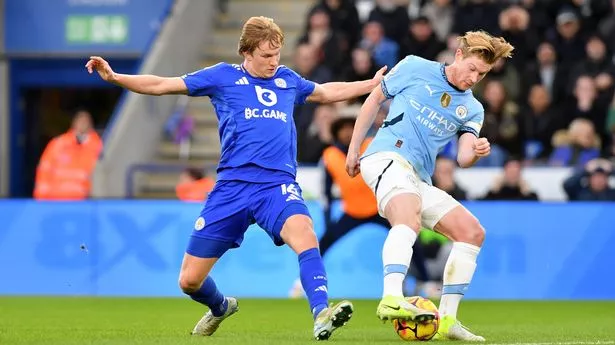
251, 71
449, 73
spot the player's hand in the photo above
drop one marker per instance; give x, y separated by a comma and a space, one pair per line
102, 67
481, 147
353, 165
379, 76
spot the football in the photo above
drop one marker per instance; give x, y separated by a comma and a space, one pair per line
410, 330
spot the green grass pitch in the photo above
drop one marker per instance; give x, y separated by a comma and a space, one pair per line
111, 321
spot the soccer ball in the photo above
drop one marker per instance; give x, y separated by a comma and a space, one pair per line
410, 330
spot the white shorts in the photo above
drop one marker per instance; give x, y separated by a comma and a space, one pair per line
388, 174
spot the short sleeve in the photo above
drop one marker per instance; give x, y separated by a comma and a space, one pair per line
304, 88
202, 82
399, 77
474, 124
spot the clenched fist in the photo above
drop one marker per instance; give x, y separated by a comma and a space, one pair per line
481, 147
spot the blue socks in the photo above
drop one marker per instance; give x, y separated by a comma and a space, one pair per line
314, 279
209, 295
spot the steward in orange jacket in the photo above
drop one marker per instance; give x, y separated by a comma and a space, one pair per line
193, 186
65, 169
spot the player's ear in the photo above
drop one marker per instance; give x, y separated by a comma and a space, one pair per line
458, 54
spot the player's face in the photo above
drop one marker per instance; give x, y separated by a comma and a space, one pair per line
470, 70
264, 60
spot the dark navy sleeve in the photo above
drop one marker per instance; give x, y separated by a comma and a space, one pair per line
203, 82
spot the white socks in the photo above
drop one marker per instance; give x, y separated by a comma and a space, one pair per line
458, 273
396, 256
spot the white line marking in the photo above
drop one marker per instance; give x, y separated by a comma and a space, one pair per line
560, 343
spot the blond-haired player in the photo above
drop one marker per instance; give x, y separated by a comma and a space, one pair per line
256, 175
432, 104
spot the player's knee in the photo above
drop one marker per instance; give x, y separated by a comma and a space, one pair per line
298, 233
473, 232
189, 284
408, 219
479, 235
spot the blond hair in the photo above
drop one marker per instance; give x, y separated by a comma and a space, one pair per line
488, 48
257, 30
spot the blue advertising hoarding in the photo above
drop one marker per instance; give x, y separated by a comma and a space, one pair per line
134, 248
82, 26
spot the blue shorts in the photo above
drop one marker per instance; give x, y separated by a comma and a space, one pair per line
232, 206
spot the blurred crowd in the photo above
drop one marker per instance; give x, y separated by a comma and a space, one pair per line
551, 104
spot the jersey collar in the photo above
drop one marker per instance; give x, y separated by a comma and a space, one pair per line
245, 71
443, 71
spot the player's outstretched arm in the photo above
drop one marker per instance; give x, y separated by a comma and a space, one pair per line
144, 84
471, 149
367, 115
341, 91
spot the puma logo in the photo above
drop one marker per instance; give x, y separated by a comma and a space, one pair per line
429, 89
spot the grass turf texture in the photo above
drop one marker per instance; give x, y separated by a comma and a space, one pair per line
68, 321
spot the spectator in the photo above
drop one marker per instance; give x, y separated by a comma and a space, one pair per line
607, 28
591, 183
537, 125
440, 14
344, 19
422, 41
590, 11
393, 18
567, 38
610, 125
306, 64
586, 104
580, 146
384, 51
507, 74
545, 70
193, 185
596, 65
510, 185
331, 46
444, 178
65, 169
501, 124
540, 20
312, 142
515, 26
362, 67
477, 15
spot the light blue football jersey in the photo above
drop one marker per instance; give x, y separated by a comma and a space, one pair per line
426, 113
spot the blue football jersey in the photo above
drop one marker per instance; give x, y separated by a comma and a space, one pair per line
426, 114
255, 115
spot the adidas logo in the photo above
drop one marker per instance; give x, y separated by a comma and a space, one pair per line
322, 288
242, 81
